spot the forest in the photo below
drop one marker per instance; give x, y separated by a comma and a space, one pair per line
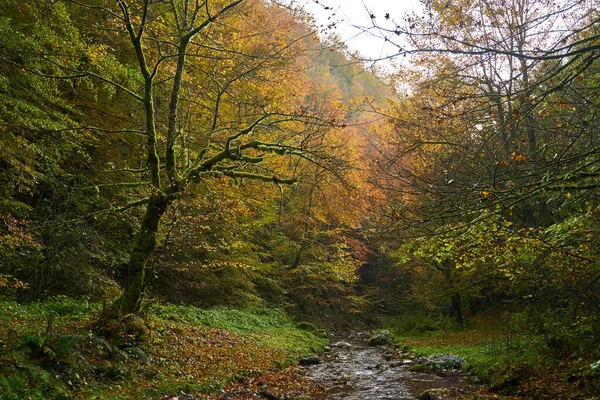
196, 194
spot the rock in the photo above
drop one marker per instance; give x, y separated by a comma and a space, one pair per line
445, 361
433, 394
310, 360
381, 338
133, 325
100, 342
343, 345
381, 367
264, 392
136, 351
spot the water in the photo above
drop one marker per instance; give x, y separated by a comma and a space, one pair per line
362, 372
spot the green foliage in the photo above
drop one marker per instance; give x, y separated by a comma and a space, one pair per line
269, 326
45, 158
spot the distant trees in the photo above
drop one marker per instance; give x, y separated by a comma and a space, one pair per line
496, 132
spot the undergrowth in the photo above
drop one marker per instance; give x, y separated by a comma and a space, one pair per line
511, 359
49, 350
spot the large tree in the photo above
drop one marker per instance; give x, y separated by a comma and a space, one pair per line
204, 85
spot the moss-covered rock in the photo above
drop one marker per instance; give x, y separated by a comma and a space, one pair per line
419, 368
381, 338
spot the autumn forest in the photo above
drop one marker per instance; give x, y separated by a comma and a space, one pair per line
196, 194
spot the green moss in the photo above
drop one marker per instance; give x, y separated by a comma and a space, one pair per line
419, 368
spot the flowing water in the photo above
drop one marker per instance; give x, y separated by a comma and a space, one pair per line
362, 372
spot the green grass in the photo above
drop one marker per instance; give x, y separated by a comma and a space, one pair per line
269, 326
486, 352
513, 359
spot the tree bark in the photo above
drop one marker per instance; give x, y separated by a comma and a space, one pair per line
143, 248
455, 298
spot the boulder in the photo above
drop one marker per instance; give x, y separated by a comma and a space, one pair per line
381, 338
445, 361
419, 368
433, 394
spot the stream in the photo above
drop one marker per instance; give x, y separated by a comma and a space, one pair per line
359, 372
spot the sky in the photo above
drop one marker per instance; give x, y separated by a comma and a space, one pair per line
351, 13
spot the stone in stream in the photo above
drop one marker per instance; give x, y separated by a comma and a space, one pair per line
343, 345
445, 361
433, 394
310, 360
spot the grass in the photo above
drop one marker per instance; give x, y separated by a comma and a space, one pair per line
485, 351
268, 326
514, 364
48, 351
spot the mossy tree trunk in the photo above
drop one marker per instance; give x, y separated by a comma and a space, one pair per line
143, 249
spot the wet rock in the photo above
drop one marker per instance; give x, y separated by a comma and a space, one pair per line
310, 360
381, 366
433, 394
381, 338
419, 368
264, 392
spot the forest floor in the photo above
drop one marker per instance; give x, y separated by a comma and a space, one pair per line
53, 350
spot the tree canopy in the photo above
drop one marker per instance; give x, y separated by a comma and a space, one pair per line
222, 152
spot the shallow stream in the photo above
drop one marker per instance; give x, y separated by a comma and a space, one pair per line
360, 372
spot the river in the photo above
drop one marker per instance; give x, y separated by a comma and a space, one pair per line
360, 372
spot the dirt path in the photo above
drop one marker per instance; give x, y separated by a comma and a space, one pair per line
359, 372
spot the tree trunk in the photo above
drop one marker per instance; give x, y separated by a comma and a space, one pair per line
143, 248
456, 308
455, 298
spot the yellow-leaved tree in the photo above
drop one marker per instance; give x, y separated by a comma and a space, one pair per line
210, 93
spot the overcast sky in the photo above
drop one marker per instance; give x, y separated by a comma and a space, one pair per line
350, 13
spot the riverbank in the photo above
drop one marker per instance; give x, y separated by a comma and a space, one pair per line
512, 367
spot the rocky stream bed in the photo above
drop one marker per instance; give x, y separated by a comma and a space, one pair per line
353, 370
